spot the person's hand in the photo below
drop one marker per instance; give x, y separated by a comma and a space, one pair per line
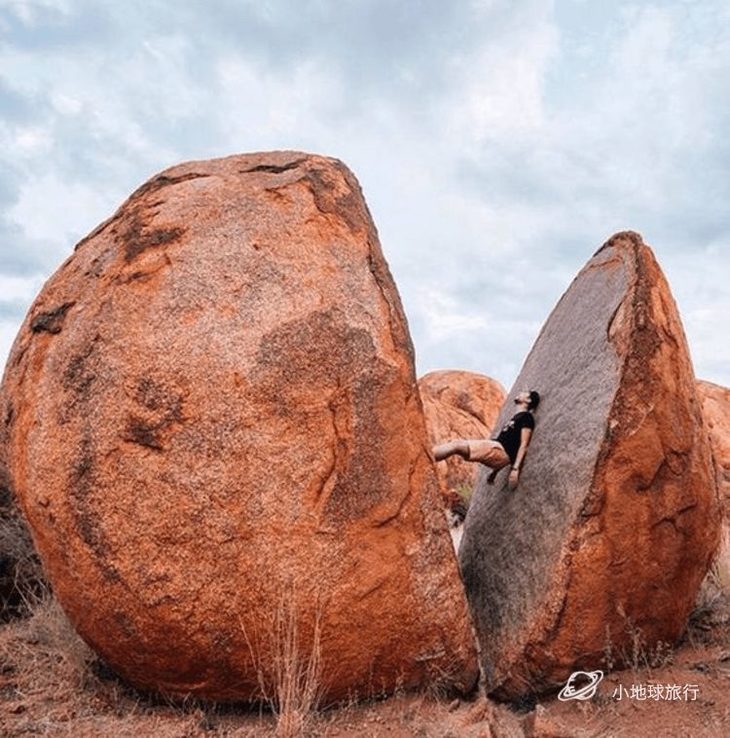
513, 479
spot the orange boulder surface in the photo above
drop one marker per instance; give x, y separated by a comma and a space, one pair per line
459, 404
613, 525
213, 427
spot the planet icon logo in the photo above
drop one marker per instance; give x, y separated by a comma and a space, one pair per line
581, 685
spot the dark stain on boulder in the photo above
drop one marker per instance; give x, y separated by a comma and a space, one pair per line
80, 374
81, 489
160, 407
163, 180
340, 360
8, 415
362, 482
136, 239
321, 350
349, 207
51, 321
274, 168
143, 434
155, 395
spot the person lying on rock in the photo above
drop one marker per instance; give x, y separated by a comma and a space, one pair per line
509, 447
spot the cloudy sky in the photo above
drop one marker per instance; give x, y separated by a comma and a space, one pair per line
498, 142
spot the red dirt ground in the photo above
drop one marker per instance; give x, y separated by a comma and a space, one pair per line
51, 684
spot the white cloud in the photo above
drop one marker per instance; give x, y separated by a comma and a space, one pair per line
265, 107
33, 140
504, 95
446, 315
57, 212
30, 12
8, 331
19, 289
16, 296
65, 104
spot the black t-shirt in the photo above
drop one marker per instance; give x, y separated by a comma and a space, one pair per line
510, 434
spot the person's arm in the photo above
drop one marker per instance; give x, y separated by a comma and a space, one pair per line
514, 474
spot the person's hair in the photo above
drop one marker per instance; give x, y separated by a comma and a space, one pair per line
534, 400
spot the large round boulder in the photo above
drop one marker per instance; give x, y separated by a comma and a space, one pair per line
214, 429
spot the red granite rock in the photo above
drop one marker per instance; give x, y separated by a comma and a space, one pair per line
214, 428
615, 519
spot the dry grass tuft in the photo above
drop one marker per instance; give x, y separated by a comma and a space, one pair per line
288, 665
717, 579
638, 654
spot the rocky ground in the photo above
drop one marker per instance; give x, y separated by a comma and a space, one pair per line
51, 684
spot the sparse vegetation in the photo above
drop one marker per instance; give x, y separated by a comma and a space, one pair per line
638, 654
22, 580
288, 666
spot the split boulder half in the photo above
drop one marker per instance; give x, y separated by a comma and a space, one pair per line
458, 404
214, 430
603, 545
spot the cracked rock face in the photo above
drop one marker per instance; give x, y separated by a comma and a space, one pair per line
214, 430
459, 404
615, 520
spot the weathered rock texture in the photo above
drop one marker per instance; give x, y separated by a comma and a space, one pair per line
214, 429
715, 401
459, 404
615, 519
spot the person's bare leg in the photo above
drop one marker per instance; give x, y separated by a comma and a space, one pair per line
445, 450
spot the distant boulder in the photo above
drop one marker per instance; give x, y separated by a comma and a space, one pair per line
459, 404
716, 409
215, 432
615, 519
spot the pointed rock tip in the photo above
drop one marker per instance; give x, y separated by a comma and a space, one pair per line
622, 238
